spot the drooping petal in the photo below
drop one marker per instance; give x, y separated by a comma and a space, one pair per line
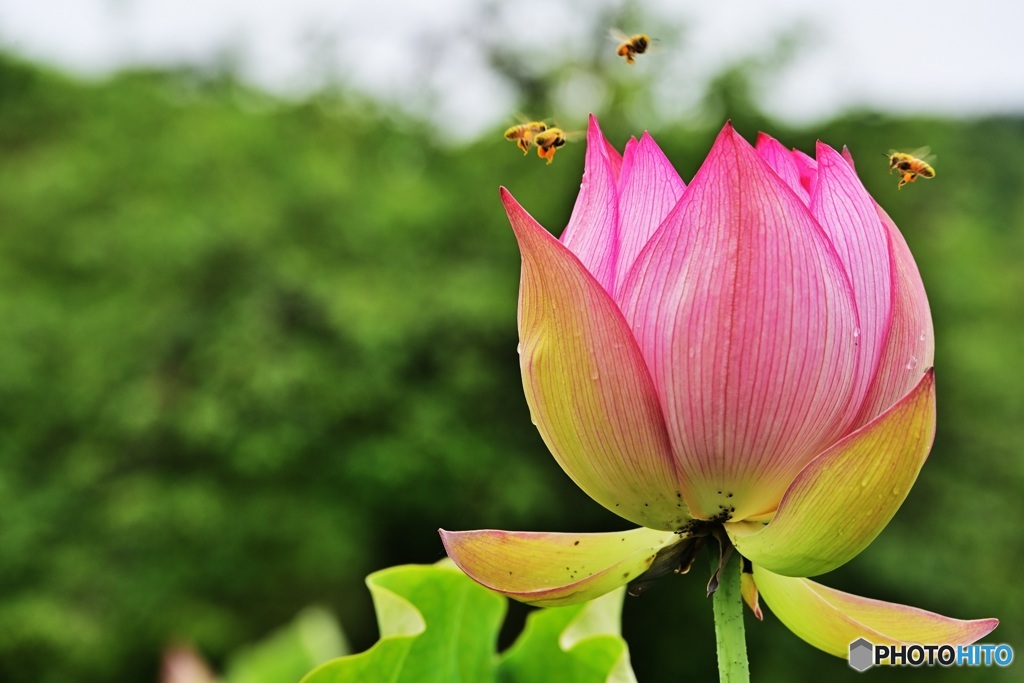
847, 213
748, 589
830, 619
593, 231
589, 392
746, 320
648, 189
782, 162
909, 347
844, 498
550, 569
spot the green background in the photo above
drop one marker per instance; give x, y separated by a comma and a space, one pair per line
253, 349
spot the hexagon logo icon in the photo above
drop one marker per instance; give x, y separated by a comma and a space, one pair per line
862, 655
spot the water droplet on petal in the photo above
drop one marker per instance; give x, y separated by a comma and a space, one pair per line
895, 490
864, 482
693, 352
595, 376
912, 363
856, 332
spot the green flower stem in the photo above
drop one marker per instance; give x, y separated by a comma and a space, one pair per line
729, 634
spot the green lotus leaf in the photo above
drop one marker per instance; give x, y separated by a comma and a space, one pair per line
436, 626
573, 644
439, 626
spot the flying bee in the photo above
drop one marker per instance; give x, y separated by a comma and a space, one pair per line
910, 165
548, 142
524, 133
630, 46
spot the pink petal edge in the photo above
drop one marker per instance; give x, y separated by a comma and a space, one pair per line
593, 229
648, 190
846, 212
909, 346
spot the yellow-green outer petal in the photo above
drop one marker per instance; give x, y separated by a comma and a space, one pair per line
588, 387
843, 498
551, 569
830, 619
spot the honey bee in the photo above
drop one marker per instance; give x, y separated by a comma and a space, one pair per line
630, 46
524, 133
910, 165
550, 140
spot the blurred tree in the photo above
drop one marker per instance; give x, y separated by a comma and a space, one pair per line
252, 350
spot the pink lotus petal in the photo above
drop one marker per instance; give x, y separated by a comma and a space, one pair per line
782, 162
830, 619
589, 391
849, 157
648, 189
847, 213
593, 230
909, 347
808, 170
843, 499
746, 320
614, 158
551, 569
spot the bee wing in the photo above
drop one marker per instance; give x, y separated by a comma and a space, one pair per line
618, 36
924, 154
523, 118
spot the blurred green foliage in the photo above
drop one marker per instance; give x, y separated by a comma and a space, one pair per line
254, 349
288, 653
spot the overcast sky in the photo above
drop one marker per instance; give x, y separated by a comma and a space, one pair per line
925, 55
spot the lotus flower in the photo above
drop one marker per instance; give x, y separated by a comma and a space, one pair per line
746, 357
